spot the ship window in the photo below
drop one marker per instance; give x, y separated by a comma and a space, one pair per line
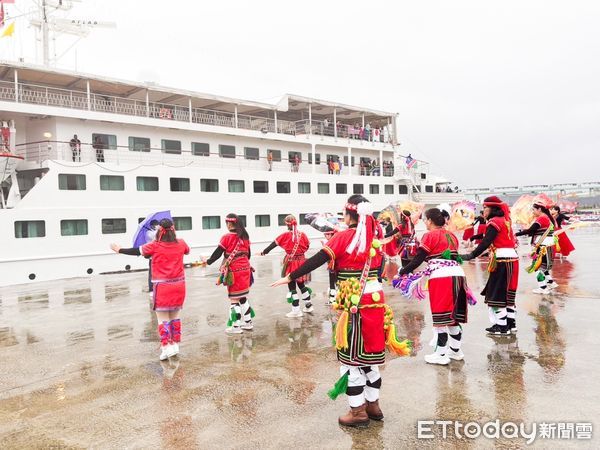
317, 158
284, 187
341, 188
211, 222
358, 189
428, 188
108, 141
303, 188
71, 182
236, 186
227, 151
334, 158
180, 184
292, 156
182, 223
114, 226
147, 183
302, 219
261, 187
209, 185
281, 219
251, 153
262, 220
389, 189
171, 146
346, 160
30, 228
402, 189
373, 189
200, 149
323, 188
112, 183
77, 227
276, 154
423, 176
242, 219
139, 144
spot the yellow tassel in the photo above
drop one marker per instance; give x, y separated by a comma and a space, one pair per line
401, 348
341, 332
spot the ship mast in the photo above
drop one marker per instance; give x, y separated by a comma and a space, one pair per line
51, 27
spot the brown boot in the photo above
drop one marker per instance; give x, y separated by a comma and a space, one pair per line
356, 417
374, 411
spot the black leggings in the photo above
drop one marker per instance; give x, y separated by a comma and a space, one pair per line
292, 286
332, 279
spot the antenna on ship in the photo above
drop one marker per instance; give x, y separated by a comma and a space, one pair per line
46, 24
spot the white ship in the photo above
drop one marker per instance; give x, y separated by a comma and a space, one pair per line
146, 148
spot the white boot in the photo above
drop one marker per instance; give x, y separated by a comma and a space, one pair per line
295, 312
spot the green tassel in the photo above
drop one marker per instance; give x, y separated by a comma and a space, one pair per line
459, 259
340, 387
252, 313
232, 318
289, 297
540, 277
310, 291
446, 254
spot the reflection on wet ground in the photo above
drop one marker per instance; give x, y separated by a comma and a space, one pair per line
80, 368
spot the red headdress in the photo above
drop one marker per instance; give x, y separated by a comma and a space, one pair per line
495, 201
293, 224
365, 229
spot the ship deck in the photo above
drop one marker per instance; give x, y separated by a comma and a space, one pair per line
80, 368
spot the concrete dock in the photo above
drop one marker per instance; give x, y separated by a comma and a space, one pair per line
79, 367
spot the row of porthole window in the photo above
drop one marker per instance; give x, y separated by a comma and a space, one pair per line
79, 227
77, 182
143, 144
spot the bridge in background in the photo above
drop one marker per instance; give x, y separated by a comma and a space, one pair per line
566, 190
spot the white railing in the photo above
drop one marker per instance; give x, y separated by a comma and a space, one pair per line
88, 154
65, 98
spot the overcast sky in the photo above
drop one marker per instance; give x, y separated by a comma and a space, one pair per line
490, 92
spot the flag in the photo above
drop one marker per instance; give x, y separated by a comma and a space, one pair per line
410, 162
9, 30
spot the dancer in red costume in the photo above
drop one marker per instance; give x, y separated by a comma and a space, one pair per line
447, 286
295, 243
235, 273
168, 279
542, 240
501, 288
365, 324
565, 246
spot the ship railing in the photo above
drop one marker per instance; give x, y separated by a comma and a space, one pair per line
66, 98
342, 130
87, 153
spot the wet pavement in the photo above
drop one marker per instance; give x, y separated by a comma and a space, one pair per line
80, 367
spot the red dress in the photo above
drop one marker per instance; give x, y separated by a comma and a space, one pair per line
168, 275
501, 287
237, 264
447, 289
295, 251
366, 333
564, 243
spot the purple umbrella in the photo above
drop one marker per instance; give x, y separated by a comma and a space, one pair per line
139, 238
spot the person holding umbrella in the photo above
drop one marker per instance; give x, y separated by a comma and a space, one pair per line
150, 236
168, 277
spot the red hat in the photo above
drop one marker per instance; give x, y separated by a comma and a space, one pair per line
495, 201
